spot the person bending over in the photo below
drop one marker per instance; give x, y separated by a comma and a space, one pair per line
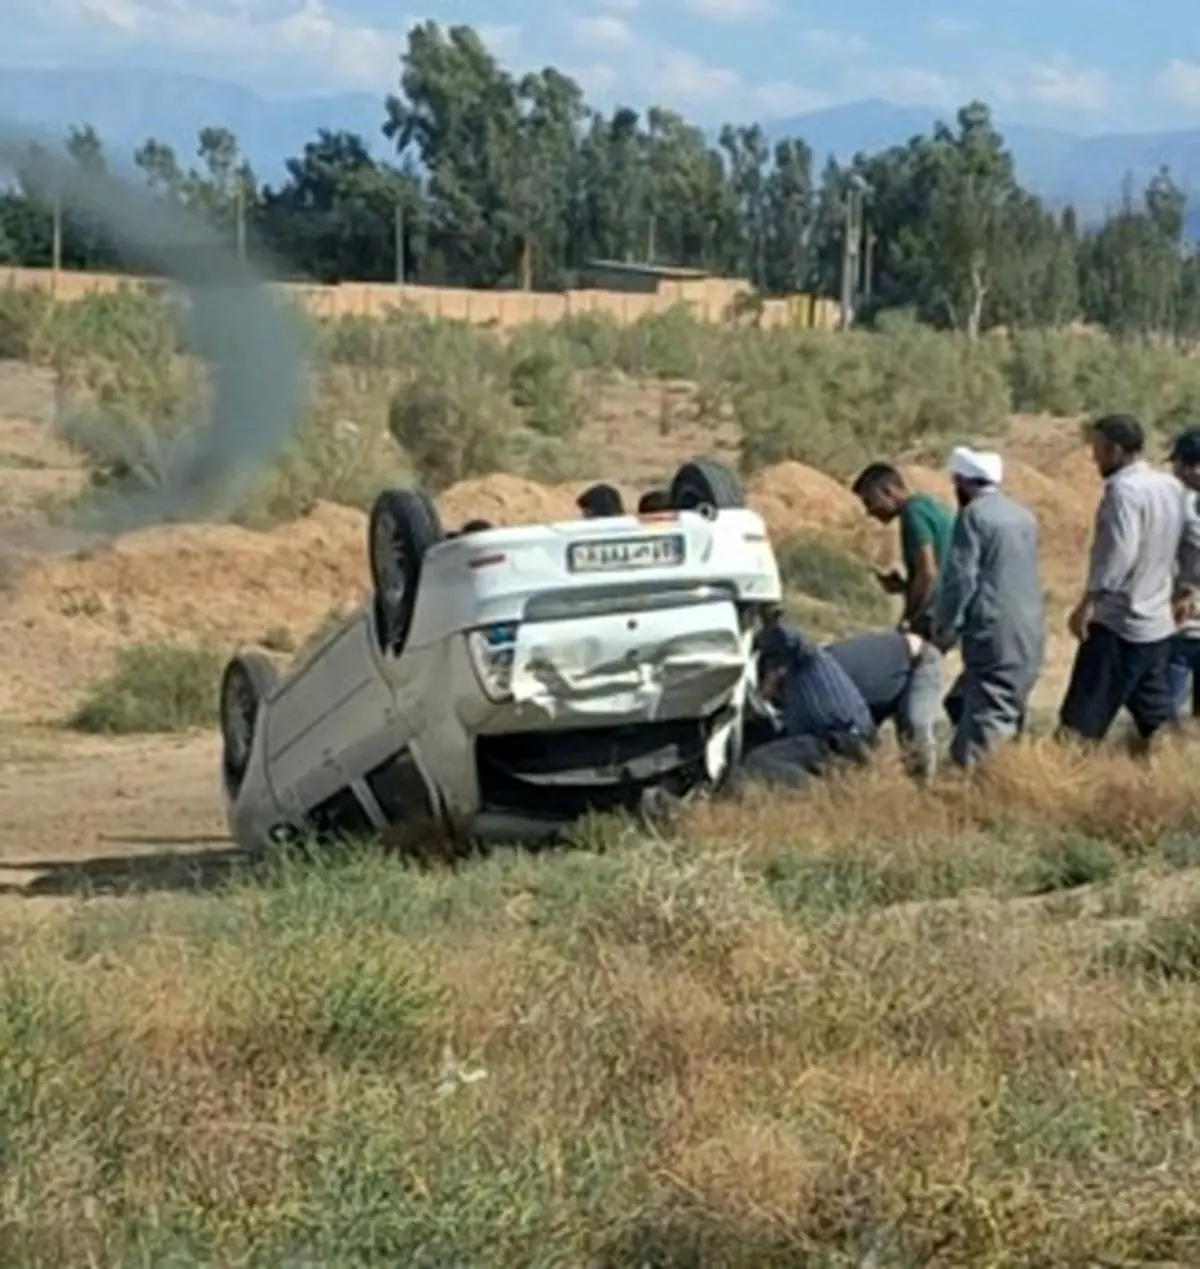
822, 717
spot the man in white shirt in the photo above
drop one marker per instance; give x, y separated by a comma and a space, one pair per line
1125, 621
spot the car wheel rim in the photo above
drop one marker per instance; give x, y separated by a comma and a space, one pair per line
239, 720
389, 559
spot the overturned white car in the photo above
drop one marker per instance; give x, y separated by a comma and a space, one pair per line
504, 682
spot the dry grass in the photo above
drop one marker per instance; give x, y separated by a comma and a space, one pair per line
871, 1026
842, 1030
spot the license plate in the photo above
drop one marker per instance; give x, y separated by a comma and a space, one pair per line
616, 555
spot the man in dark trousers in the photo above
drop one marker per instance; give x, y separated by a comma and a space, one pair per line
899, 675
1144, 546
822, 717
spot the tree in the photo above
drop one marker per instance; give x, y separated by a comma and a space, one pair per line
160, 166
457, 114
340, 214
789, 218
503, 180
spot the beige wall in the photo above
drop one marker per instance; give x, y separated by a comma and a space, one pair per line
710, 298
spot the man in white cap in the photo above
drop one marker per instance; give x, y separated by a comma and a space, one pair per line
990, 603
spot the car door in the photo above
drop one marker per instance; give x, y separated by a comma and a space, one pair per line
333, 722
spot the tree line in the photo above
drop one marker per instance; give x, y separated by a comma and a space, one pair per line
501, 180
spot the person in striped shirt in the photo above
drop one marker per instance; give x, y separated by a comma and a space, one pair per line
1184, 665
822, 716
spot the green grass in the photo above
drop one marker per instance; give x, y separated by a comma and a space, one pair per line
670, 1053
158, 687
811, 567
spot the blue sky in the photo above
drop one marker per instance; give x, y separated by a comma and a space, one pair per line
1087, 65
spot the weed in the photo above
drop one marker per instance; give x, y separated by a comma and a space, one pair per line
819, 570
1167, 950
1072, 861
156, 687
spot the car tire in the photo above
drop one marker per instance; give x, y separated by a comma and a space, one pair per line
403, 526
248, 679
706, 483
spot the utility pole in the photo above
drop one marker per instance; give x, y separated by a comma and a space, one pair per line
239, 211
398, 234
868, 277
56, 242
852, 237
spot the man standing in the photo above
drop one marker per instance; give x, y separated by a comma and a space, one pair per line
990, 603
899, 676
926, 528
1185, 643
822, 716
1125, 621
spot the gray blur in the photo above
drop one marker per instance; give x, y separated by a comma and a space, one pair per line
251, 346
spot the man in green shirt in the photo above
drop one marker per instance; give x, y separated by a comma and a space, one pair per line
926, 529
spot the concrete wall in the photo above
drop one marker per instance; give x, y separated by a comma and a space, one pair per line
709, 298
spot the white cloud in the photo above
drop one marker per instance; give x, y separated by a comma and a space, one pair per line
680, 76
782, 98
601, 31
731, 10
298, 43
824, 42
910, 86
1060, 82
597, 79
1179, 83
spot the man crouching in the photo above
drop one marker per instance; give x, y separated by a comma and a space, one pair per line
822, 716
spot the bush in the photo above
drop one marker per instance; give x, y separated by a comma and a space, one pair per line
455, 416
23, 318
836, 401
823, 572
463, 400
542, 382
156, 687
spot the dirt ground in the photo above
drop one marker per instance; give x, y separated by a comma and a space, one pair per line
75, 810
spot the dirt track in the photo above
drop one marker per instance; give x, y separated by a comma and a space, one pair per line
63, 615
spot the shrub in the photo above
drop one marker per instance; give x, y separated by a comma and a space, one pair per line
542, 383
23, 318
670, 345
831, 575
156, 687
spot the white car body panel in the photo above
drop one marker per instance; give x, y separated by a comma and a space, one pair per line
640, 638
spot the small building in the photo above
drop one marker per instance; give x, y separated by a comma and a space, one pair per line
644, 279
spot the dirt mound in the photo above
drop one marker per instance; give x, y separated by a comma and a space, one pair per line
930, 481
507, 500
65, 616
793, 498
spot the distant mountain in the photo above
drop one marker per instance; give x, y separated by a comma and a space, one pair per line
126, 106
1060, 166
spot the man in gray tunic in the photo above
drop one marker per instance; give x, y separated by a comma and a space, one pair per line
989, 603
